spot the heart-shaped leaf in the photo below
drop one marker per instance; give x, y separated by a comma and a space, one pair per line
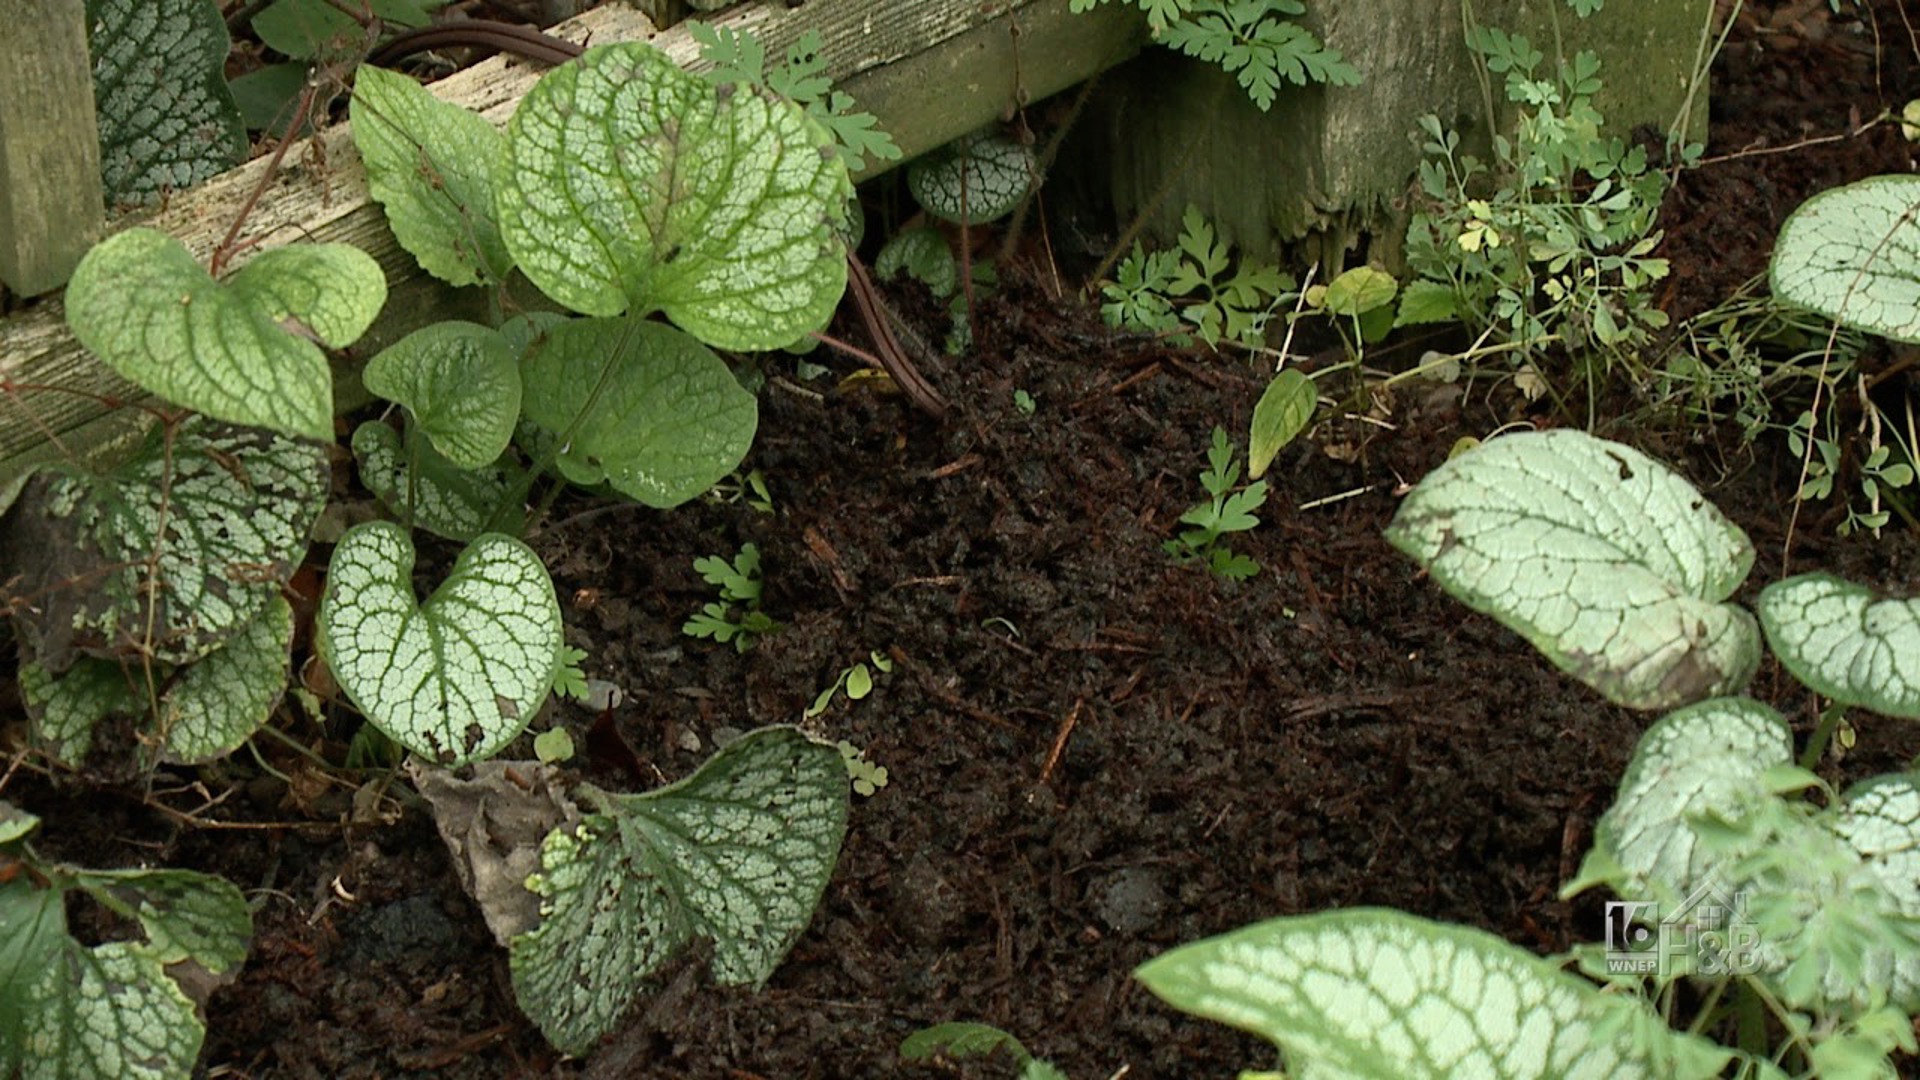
206, 710
183, 914
739, 854
1848, 253
68, 1010
1845, 642
454, 679
641, 405
631, 184
1706, 760
446, 500
1879, 822
430, 164
170, 553
1602, 558
976, 178
1730, 877
167, 120
460, 382
238, 351
1368, 993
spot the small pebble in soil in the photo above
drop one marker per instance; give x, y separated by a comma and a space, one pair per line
411, 929
926, 906
1130, 901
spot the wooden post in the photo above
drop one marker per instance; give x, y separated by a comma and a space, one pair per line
51, 204
1329, 164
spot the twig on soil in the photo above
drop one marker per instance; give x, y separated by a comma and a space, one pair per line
1315, 504
959, 464
13, 767
1060, 739
1818, 140
824, 551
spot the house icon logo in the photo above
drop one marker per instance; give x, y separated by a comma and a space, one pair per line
1707, 933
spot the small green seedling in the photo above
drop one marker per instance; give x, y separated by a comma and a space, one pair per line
1192, 289
568, 679
553, 746
1225, 511
750, 489
867, 777
959, 1039
739, 583
1024, 402
857, 681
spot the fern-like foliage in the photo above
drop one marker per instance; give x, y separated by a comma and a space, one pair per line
740, 59
1160, 13
1256, 41
1258, 47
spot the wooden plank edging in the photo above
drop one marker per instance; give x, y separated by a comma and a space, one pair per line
930, 70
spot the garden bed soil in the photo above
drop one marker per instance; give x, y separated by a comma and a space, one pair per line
1094, 754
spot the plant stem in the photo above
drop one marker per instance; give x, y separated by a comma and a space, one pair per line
1830, 718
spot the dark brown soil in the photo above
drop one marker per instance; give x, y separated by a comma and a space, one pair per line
1094, 754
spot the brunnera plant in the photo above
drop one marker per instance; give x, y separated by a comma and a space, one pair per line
1619, 572
721, 232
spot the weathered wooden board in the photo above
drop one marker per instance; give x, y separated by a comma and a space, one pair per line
1167, 131
930, 70
50, 199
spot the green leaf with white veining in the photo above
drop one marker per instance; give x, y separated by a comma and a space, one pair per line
33, 933
1828, 899
184, 914
324, 293
924, 255
739, 854
976, 178
1853, 254
447, 500
430, 163
1705, 761
641, 406
109, 1011
1823, 903
454, 679
206, 709
15, 823
69, 1012
959, 1039
633, 185
237, 350
1605, 560
1284, 410
1369, 993
460, 382
220, 515
1845, 642
1879, 821
65, 708
221, 700
305, 29
167, 120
